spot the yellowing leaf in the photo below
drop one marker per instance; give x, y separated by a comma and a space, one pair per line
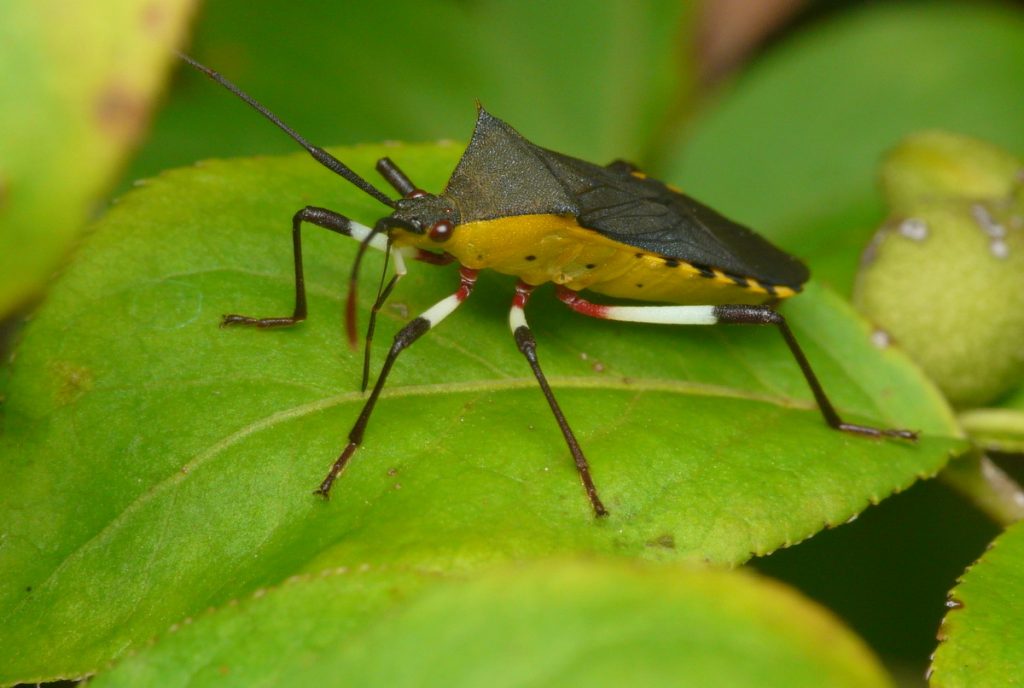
79, 79
556, 624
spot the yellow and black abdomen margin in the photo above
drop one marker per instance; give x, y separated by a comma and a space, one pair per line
555, 248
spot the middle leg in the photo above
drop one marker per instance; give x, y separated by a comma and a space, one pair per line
528, 346
415, 329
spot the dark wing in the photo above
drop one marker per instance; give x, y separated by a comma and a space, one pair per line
501, 174
647, 214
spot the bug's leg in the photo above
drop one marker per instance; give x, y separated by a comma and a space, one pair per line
328, 219
398, 255
415, 329
764, 315
528, 346
382, 297
730, 315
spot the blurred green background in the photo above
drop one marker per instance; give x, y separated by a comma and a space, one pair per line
780, 126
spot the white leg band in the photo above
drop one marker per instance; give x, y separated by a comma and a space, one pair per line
663, 315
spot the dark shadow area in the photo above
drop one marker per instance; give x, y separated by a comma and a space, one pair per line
887, 574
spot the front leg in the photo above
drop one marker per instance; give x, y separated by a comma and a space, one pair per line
328, 219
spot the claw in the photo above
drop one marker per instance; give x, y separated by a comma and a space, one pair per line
232, 319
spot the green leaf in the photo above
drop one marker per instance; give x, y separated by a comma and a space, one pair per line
79, 79
792, 149
156, 464
593, 79
982, 638
567, 624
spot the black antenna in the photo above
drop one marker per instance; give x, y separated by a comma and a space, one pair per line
321, 156
398, 179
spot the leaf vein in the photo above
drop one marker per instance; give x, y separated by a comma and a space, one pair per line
478, 386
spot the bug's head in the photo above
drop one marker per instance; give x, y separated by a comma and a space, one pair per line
423, 214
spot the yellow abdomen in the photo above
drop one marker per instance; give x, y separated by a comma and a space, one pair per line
554, 248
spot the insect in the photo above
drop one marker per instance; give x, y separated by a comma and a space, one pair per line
542, 216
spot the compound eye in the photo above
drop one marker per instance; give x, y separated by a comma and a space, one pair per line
441, 230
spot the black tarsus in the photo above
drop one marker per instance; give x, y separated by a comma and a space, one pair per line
319, 154
321, 217
764, 315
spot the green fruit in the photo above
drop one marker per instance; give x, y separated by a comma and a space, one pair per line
945, 280
933, 165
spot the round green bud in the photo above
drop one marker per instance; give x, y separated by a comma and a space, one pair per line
937, 164
944, 280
